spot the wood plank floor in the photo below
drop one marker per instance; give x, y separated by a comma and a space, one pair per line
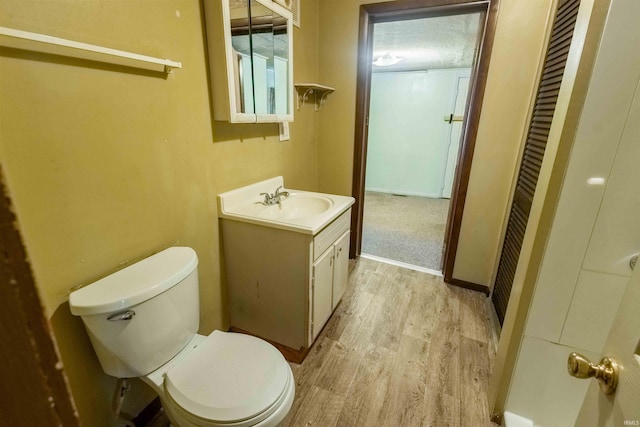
401, 349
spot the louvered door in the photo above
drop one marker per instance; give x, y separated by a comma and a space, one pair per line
534, 151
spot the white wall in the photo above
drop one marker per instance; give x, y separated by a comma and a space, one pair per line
585, 269
408, 137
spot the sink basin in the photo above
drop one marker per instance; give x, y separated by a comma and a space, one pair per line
297, 206
303, 211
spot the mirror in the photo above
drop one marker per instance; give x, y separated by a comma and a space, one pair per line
282, 83
262, 57
257, 42
240, 41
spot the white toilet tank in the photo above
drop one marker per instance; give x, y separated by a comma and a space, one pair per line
142, 316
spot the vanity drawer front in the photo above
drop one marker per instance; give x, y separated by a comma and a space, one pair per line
329, 235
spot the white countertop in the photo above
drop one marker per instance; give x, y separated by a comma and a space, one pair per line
243, 204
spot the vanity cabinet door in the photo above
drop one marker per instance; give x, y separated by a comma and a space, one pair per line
321, 291
341, 268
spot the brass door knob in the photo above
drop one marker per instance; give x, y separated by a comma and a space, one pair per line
606, 372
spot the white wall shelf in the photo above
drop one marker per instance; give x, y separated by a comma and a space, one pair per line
308, 90
57, 46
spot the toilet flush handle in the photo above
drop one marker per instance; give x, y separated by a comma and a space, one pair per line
124, 315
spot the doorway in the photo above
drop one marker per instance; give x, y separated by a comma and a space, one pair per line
406, 14
419, 85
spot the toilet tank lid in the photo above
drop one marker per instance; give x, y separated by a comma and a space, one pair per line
134, 284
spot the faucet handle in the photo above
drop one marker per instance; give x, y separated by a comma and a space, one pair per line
267, 197
279, 193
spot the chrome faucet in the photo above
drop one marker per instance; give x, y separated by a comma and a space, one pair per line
275, 198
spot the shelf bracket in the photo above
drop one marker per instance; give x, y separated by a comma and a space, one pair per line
306, 91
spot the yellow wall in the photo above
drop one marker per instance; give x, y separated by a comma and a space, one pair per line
514, 66
512, 79
107, 165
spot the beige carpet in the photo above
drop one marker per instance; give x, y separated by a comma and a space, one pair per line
407, 229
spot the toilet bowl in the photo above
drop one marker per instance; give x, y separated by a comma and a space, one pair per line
142, 322
225, 379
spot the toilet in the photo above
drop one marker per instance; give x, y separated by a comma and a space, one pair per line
143, 322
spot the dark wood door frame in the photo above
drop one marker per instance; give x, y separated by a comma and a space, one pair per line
401, 10
37, 391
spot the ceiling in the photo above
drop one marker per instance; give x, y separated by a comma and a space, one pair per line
427, 43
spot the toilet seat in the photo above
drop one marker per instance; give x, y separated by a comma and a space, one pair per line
229, 379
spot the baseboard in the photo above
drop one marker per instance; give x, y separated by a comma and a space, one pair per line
292, 355
469, 285
404, 193
495, 322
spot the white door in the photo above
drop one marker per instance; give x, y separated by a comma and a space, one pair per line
322, 290
623, 345
454, 137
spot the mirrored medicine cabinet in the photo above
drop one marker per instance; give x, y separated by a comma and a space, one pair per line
250, 45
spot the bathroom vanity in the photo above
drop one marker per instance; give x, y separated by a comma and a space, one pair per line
286, 263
